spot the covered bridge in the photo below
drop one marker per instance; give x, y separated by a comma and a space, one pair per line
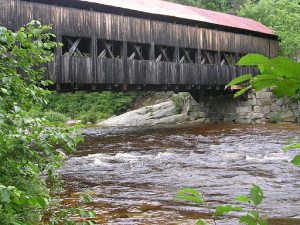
142, 44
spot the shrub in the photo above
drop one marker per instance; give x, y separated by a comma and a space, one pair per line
90, 106
179, 101
28, 145
51, 116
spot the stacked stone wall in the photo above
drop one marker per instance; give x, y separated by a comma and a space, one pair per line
260, 107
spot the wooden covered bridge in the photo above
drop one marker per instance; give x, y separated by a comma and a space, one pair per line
142, 44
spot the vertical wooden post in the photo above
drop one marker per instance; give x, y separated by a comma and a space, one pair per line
125, 67
198, 59
218, 58
152, 52
177, 54
94, 61
58, 67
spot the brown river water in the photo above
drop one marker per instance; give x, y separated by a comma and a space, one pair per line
134, 173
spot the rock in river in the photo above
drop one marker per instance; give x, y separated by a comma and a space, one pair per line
162, 113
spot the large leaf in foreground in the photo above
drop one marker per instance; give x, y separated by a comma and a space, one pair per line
296, 160
240, 79
189, 194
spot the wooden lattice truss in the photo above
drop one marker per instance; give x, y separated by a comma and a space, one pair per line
108, 50
137, 52
163, 54
229, 59
73, 48
187, 55
208, 57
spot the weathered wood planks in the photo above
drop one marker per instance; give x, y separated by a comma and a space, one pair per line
95, 27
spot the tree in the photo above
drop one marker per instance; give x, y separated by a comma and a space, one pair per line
280, 75
228, 6
28, 146
282, 16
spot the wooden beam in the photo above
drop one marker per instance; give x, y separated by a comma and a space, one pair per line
137, 49
187, 55
74, 47
182, 59
158, 59
164, 53
108, 48
102, 54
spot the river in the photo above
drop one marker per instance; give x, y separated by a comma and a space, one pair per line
134, 173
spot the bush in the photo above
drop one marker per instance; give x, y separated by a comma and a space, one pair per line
51, 116
179, 101
90, 107
28, 145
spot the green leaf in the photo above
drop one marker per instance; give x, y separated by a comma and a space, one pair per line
286, 88
256, 194
223, 209
92, 214
17, 109
4, 196
4, 91
201, 222
263, 221
283, 67
248, 220
289, 147
296, 160
241, 92
254, 214
259, 85
189, 194
242, 198
85, 198
252, 60
239, 79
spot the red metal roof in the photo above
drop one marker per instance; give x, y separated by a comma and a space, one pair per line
159, 7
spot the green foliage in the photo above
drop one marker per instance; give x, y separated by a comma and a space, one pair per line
256, 195
216, 5
280, 74
251, 217
296, 160
62, 216
189, 194
224, 209
201, 222
292, 146
90, 107
28, 146
282, 16
51, 116
277, 119
179, 100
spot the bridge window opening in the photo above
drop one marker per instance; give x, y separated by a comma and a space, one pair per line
137, 51
109, 49
229, 59
164, 53
208, 57
76, 46
187, 55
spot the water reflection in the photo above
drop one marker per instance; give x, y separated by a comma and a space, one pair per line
134, 173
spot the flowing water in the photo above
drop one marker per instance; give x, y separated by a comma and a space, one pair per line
134, 173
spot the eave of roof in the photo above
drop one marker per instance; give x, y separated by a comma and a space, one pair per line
164, 8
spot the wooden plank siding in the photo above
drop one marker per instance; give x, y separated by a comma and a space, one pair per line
93, 26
